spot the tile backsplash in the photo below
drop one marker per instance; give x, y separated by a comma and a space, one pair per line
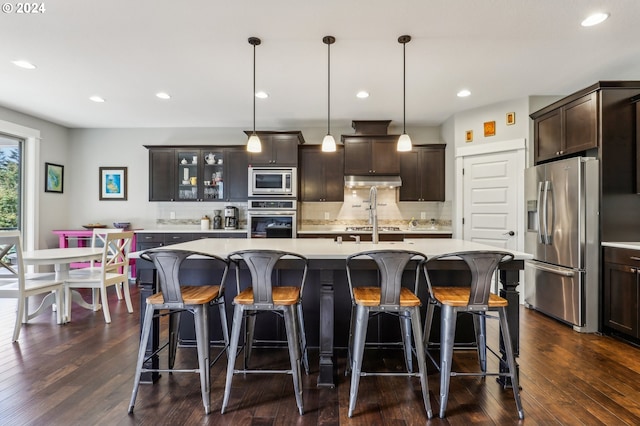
354, 210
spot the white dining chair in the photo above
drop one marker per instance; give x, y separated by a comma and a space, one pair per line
98, 240
112, 270
15, 284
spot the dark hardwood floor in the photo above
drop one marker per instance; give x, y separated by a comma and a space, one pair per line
82, 374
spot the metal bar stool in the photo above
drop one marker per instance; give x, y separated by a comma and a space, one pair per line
260, 295
172, 300
477, 300
386, 296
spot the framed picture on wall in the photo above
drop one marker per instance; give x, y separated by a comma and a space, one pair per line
113, 183
468, 136
53, 177
489, 128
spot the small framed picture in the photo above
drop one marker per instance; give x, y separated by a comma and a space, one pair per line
113, 183
53, 177
468, 136
489, 128
511, 118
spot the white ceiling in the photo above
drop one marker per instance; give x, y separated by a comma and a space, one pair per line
197, 51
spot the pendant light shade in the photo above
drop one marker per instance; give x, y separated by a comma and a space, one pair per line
404, 142
328, 143
254, 144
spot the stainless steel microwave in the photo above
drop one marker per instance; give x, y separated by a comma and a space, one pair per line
273, 181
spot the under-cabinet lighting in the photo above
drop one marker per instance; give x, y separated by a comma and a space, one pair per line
163, 95
262, 95
362, 94
464, 93
98, 99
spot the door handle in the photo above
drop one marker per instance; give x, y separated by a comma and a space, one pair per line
510, 233
545, 213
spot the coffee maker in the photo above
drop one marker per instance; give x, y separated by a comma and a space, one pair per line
230, 217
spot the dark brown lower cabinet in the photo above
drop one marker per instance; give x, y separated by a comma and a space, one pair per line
621, 284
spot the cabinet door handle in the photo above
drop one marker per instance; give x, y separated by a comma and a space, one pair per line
634, 258
633, 270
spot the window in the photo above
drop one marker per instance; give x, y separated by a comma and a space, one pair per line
10, 182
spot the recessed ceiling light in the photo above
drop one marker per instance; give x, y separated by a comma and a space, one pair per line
262, 95
97, 99
163, 95
24, 64
362, 94
595, 19
464, 93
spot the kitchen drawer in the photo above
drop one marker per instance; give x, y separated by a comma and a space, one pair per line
150, 238
623, 256
177, 238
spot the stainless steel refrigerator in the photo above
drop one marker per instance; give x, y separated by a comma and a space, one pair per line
562, 224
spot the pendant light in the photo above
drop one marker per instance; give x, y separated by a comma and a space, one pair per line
254, 144
404, 142
328, 143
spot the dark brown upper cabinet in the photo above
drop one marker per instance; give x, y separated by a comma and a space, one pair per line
371, 155
567, 130
175, 176
423, 173
321, 174
278, 148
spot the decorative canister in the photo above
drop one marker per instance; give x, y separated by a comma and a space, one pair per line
204, 223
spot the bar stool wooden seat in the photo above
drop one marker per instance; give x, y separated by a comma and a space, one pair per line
261, 295
172, 300
475, 299
385, 296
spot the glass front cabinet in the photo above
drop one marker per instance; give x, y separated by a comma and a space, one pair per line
193, 174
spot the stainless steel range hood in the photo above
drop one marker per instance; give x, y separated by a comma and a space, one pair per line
354, 181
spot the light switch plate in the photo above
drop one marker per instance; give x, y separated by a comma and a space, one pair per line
326, 215
423, 215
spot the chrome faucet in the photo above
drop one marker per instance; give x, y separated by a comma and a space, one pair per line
373, 213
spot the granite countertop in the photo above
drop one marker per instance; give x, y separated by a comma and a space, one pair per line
189, 230
633, 245
342, 230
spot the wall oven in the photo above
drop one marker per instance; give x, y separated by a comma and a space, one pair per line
272, 218
273, 182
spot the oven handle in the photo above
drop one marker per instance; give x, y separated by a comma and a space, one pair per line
271, 213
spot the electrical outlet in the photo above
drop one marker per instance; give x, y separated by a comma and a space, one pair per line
423, 215
172, 215
326, 215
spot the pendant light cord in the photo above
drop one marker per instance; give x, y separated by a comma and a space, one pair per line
328, 88
254, 89
404, 88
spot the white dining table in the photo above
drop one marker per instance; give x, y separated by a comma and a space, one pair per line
61, 258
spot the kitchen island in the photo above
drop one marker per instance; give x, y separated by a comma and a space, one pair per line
328, 279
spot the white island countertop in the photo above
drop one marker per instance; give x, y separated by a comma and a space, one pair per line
633, 245
326, 248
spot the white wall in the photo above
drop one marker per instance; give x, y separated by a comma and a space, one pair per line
90, 149
53, 208
83, 151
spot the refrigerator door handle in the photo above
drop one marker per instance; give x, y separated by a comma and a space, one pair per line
554, 270
539, 213
545, 213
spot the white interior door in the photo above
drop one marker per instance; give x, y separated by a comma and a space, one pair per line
491, 199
